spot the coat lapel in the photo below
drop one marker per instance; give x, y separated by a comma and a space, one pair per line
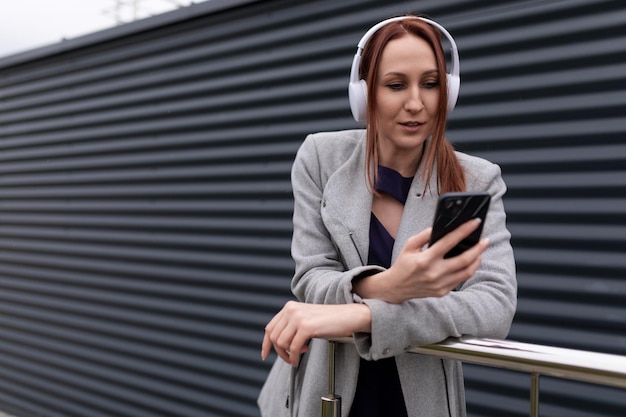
418, 214
348, 204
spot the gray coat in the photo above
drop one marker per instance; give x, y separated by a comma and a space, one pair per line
330, 247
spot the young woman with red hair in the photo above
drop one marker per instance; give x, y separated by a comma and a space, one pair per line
364, 203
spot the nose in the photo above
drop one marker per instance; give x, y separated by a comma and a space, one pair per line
413, 102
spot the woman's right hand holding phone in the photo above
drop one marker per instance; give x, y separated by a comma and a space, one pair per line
420, 272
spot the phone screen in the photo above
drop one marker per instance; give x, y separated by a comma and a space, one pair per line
454, 209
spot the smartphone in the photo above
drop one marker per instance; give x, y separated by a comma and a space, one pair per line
454, 209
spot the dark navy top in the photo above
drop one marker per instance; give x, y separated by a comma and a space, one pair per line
378, 391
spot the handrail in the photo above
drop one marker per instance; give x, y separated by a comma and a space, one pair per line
579, 365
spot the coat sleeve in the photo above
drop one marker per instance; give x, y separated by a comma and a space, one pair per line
483, 306
321, 275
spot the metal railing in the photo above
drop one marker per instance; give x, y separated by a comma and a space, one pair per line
536, 360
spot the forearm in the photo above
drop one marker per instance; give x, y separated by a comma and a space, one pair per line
375, 286
362, 318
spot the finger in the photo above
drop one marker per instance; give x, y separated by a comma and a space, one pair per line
299, 345
452, 280
474, 252
466, 264
282, 342
463, 230
271, 331
468, 272
266, 345
274, 331
295, 358
282, 353
466, 258
450, 240
418, 241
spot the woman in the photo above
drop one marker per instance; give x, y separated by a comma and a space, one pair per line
364, 201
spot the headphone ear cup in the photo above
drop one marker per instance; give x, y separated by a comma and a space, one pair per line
454, 84
357, 93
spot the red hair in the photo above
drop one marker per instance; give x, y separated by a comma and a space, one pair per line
439, 152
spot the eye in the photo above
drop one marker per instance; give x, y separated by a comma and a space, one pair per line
395, 86
430, 84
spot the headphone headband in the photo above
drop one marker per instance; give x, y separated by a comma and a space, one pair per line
357, 90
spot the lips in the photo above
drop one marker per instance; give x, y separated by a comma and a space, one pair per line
412, 127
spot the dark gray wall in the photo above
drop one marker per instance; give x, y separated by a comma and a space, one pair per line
145, 206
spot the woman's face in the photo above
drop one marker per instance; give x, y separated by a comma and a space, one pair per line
407, 94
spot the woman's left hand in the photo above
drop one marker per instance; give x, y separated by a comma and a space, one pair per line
296, 323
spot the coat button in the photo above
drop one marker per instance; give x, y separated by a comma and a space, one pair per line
386, 351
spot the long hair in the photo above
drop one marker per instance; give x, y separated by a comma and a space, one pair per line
439, 151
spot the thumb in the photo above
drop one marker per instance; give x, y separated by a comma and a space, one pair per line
418, 241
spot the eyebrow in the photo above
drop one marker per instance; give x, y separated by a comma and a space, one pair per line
396, 73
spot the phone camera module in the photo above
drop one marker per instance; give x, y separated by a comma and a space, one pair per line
453, 206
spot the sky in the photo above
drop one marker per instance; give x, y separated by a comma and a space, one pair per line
29, 24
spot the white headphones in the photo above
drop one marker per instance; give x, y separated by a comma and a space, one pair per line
357, 89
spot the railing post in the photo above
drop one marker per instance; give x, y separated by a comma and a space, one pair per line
331, 403
534, 394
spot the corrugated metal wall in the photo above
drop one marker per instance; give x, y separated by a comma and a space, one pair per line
544, 95
145, 206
